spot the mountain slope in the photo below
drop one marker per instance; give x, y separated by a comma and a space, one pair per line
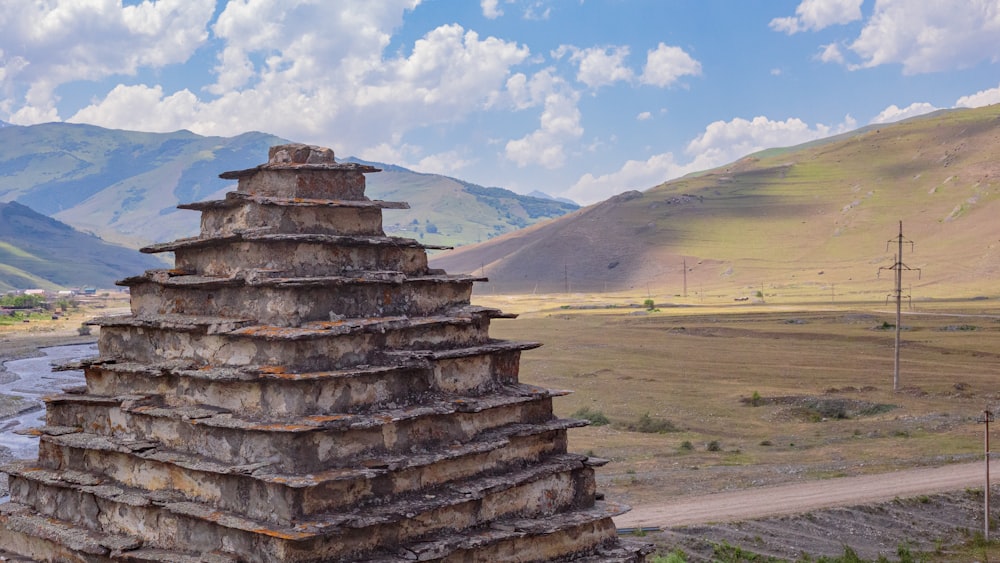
121, 185
814, 218
124, 185
449, 211
39, 252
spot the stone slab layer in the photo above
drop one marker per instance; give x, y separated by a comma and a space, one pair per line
269, 389
264, 493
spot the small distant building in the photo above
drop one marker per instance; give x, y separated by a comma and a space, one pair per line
34, 292
90, 291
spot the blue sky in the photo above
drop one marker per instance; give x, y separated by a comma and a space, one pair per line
576, 98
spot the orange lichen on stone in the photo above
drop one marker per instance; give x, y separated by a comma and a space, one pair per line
323, 419
293, 536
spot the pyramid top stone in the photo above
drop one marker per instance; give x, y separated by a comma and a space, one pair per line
299, 157
303, 171
298, 153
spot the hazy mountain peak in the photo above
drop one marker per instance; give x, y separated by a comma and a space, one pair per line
542, 195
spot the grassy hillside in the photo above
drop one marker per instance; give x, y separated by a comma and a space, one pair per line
813, 219
124, 186
39, 252
448, 211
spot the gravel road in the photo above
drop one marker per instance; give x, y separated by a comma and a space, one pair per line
805, 497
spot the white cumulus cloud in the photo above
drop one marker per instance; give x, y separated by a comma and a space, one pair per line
633, 175
831, 54
599, 66
980, 99
559, 123
318, 71
52, 43
818, 14
491, 10
722, 142
895, 113
726, 141
930, 35
667, 64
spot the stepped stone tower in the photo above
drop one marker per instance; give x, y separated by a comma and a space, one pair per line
303, 388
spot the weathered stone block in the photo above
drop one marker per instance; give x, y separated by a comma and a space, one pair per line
292, 302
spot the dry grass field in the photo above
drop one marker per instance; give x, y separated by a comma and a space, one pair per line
705, 394
705, 398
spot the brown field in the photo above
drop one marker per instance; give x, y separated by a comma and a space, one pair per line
822, 372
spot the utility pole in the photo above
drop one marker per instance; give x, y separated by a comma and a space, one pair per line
685, 277
566, 276
986, 419
898, 266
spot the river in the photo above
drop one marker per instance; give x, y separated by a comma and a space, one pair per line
24, 383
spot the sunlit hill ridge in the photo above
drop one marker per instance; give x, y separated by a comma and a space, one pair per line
808, 220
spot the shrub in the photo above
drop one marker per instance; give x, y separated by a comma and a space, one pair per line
686, 445
21, 301
649, 304
649, 425
714, 446
676, 556
596, 418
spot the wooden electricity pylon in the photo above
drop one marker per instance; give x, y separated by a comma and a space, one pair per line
898, 266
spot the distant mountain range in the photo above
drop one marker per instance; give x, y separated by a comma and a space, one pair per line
124, 186
809, 220
39, 252
543, 195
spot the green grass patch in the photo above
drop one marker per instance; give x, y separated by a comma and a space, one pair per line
596, 418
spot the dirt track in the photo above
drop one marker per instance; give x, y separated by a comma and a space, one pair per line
924, 510
805, 497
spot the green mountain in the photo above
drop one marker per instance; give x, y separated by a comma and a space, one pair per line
813, 220
120, 185
39, 252
124, 186
447, 211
